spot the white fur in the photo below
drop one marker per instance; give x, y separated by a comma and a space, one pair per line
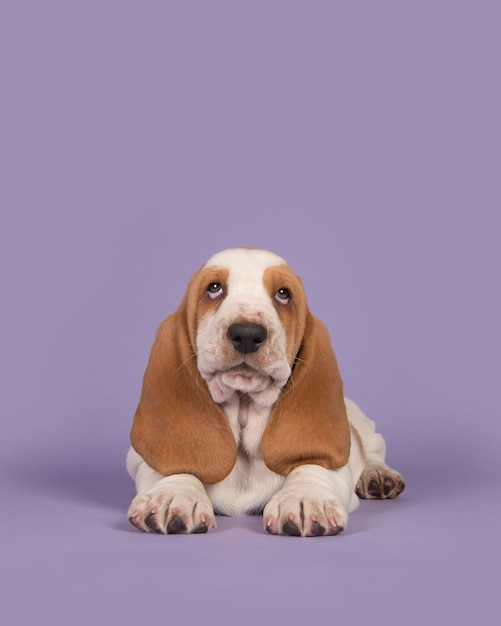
311, 497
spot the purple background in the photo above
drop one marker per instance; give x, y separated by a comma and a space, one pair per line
361, 141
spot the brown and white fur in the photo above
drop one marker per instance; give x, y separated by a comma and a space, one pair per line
242, 411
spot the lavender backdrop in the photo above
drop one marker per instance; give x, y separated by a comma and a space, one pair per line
358, 140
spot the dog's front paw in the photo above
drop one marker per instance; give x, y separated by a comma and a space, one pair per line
312, 502
380, 482
176, 504
303, 517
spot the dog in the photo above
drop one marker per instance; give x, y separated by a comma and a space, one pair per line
242, 411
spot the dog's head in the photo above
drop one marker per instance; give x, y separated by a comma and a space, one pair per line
250, 319
243, 327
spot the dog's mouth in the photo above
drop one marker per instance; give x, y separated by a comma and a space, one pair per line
245, 378
242, 369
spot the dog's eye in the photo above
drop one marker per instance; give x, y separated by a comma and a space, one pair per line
283, 295
214, 290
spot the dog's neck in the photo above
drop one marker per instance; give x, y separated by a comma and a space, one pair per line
246, 398
247, 420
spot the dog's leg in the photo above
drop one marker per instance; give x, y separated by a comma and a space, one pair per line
375, 480
313, 501
168, 504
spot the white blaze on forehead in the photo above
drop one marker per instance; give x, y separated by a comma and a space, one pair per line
235, 257
246, 266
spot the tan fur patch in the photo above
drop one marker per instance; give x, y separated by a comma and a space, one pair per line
177, 427
309, 423
198, 303
293, 314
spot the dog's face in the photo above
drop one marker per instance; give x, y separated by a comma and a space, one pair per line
250, 315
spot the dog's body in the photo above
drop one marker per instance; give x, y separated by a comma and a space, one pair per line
242, 411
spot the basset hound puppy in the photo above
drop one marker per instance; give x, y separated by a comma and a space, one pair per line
242, 411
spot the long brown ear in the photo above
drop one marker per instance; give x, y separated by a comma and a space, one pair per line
309, 423
177, 426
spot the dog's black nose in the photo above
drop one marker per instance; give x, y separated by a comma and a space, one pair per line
247, 337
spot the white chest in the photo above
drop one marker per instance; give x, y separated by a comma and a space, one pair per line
250, 484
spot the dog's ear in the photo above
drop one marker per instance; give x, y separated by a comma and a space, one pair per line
177, 427
308, 423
